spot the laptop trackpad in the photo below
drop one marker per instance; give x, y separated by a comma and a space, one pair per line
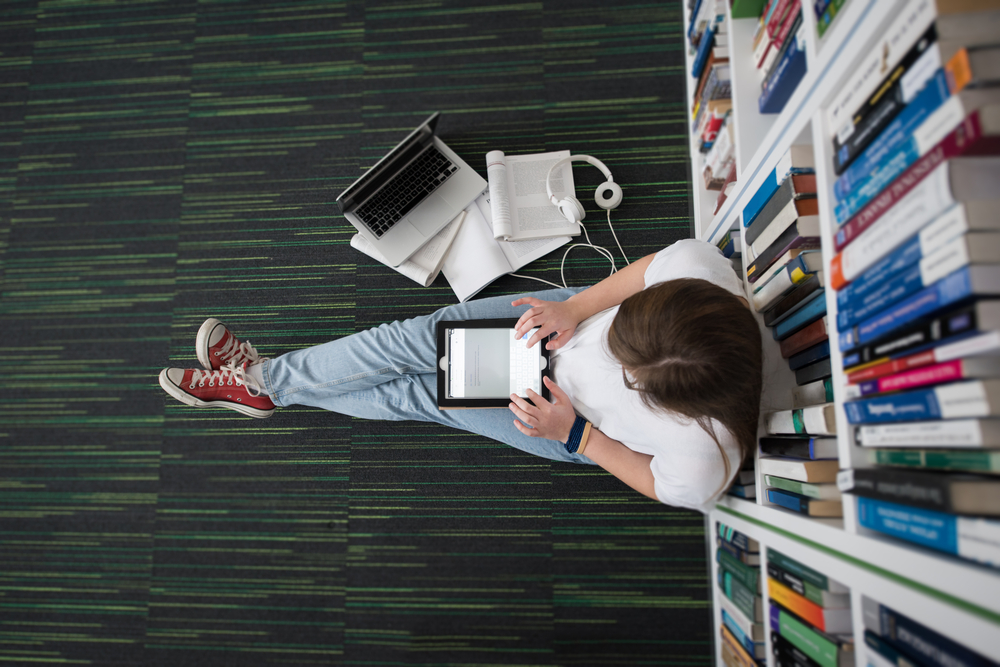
432, 214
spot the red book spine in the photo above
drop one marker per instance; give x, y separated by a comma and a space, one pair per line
786, 27
893, 366
919, 377
963, 140
778, 18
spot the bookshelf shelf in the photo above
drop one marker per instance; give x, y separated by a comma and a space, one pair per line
958, 598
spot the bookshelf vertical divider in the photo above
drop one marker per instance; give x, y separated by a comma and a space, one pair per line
958, 598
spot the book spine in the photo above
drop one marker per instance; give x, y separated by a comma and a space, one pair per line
733, 550
787, 578
740, 595
789, 500
736, 538
962, 140
793, 301
953, 401
941, 294
929, 491
885, 150
805, 338
760, 198
805, 609
748, 644
785, 78
948, 371
810, 642
816, 371
935, 530
747, 575
807, 574
926, 644
812, 311
809, 356
704, 48
787, 654
891, 292
975, 461
738, 653
784, 194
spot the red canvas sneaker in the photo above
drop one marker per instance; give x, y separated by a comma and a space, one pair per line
216, 347
226, 388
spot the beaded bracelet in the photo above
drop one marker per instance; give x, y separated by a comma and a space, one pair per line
578, 436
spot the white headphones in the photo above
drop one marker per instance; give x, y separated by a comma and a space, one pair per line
608, 195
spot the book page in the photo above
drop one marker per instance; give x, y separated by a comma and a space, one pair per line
522, 253
496, 171
475, 259
424, 266
527, 206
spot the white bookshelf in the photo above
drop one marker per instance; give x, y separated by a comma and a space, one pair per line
958, 598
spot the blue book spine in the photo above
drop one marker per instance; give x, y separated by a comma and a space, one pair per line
694, 18
893, 163
785, 78
792, 501
812, 311
925, 644
703, 50
936, 530
810, 355
894, 135
886, 268
737, 631
948, 290
915, 405
761, 197
889, 293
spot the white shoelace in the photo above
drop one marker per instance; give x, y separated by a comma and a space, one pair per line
245, 352
228, 375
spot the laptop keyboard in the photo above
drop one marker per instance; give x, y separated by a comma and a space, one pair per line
409, 187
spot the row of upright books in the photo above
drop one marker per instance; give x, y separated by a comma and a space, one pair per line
779, 53
917, 276
741, 608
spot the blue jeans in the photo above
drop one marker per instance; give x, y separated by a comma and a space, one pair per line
389, 372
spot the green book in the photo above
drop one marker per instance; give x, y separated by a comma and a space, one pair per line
809, 641
823, 22
748, 575
742, 597
807, 574
746, 9
981, 460
817, 491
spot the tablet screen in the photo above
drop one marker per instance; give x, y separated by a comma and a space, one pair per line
491, 363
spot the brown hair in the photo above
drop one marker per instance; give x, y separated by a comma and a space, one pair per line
693, 349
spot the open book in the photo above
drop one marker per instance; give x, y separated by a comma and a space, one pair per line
520, 207
476, 259
424, 266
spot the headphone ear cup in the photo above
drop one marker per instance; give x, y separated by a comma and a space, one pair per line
608, 195
572, 209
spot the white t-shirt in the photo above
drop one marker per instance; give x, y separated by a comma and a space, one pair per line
687, 466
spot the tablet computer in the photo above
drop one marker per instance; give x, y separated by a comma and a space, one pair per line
480, 364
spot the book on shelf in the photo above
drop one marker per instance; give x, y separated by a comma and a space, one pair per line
753, 648
780, 262
746, 9
727, 187
752, 631
947, 371
832, 620
731, 245
961, 331
803, 212
748, 575
520, 209
789, 240
786, 75
777, 39
962, 285
816, 371
805, 338
925, 644
942, 230
734, 651
799, 446
787, 654
973, 65
812, 311
476, 259
813, 393
971, 538
797, 298
827, 491
795, 186
798, 159
424, 266
738, 539
958, 433
957, 460
744, 598
745, 491
809, 356
807, 575
796, 265
903, 208
742, 555
801, 470
805, 504
956, 493
826, 650
972, 398
831, 9
812, 420
768, 23
880, 653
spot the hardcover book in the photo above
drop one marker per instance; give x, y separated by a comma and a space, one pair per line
955, 493
798, 469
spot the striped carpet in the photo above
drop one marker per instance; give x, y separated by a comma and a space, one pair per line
162, 161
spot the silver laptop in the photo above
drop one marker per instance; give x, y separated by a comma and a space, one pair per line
410, 194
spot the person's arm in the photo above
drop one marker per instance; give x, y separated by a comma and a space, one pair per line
561, 317
554, 420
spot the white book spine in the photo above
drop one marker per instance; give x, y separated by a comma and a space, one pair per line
979, 540
964, 399
960, 433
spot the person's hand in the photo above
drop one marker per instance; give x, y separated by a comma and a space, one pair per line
552, 421
559, 317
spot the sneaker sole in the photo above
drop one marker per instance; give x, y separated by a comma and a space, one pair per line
201, 343
188, 399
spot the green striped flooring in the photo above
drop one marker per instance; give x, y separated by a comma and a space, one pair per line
162, 161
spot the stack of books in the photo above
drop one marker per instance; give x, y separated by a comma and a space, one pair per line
731, 246
779, 53
894, 639
711, 105
744, 485
742, 627
810, 615
799, 457
917, 274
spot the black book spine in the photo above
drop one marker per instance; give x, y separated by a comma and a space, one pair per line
785, 577
796, 446
821, 369
809, 356
788, 654
921, 489
792, 301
